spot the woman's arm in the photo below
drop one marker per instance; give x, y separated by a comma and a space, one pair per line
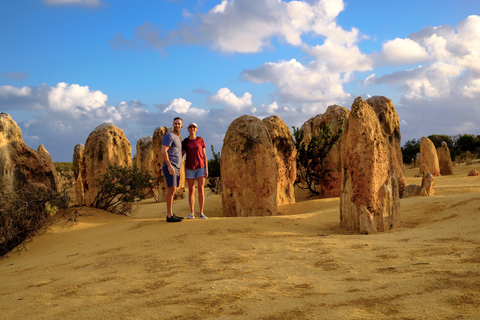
206, 163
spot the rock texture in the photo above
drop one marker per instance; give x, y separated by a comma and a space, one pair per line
248, 170
369, 199
444, 159
428, 155
21, 166
428, 183
157, 138
285, 158
106, 145
145, 159
78, 167
413, 190
390, 122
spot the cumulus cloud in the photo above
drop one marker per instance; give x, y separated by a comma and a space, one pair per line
244, 26
181, 106
403, 52
228, 99
85, 3
311, 85
452, 62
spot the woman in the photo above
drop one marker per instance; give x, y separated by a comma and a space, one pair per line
195, 168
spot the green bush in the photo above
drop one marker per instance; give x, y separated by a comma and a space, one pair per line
120, 186
63, 166
310, 169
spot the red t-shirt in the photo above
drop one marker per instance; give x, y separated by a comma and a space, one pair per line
194, 152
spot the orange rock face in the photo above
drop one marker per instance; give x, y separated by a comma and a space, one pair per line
78, 167
248, 170
21, 166
106, 145
369, 199
285, 158
429, 158
145, 159
389, 120
444, 160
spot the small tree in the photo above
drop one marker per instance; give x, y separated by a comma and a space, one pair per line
214, 172
119, 186
310, 158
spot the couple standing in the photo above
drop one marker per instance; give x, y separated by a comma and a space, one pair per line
196, 167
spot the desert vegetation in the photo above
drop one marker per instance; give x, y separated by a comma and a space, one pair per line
311, 156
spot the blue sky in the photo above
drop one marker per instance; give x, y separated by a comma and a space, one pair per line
68, 66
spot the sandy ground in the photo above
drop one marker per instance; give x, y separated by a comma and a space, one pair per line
299, 265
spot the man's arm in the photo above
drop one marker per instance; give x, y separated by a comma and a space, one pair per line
167, 159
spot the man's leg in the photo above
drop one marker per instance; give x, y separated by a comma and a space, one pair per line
170, 195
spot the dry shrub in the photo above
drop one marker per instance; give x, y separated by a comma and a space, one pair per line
23, 214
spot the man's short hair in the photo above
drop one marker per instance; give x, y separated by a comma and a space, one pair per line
177, 118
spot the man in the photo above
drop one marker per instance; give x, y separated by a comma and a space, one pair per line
172, 157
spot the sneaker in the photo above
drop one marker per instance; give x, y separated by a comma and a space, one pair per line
191, 216
181, 218
173, 219
202, 216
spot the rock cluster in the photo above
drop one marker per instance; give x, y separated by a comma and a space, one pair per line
21, 166
444, 159
370, 195
248, 170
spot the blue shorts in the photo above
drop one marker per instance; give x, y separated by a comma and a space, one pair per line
172, 181
194, 173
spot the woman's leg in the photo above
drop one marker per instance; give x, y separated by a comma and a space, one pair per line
191, 194
201, 196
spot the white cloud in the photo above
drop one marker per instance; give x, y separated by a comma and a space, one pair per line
227, 98
9, 91
86, 3
403, 52
453, 62
245, 26
295, 82
182, 106
65, 97
271, 108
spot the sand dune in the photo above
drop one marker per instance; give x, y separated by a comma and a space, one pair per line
299, 265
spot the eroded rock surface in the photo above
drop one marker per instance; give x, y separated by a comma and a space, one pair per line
248, 170
285, 158
369, 199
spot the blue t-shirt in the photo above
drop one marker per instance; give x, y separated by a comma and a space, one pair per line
173, 142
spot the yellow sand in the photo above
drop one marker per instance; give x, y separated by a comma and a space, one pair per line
299, 265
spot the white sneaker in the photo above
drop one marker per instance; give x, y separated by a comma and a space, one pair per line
191, 216
202, 216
